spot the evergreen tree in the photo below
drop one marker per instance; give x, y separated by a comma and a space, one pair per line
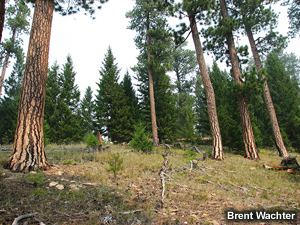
87, 110
17, 22
29, 136
52, 114
10, 102
113, 117
131, 101
69, 121
184, 66
154, 42
285, 98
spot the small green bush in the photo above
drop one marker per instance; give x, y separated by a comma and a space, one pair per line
91, 140
115, 164
140, 139
190, 154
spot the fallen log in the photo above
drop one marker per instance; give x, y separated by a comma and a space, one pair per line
290, 169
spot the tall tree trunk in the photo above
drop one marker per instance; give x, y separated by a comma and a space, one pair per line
5, 63
210, 94
2, 17
28, 151
249, 142
151, 95
267, 98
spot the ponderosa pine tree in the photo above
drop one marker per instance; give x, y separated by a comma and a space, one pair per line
154, 42
112, 113
147, 18
10, 102
29, 151
87, 110
216, 37
195, 9
254, 18
17, 22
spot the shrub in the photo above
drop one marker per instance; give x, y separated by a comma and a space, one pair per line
91, 140
115, 164
140, 139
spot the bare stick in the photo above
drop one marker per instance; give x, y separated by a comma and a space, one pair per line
131, 212
191, 165
245, 190
162, 174
19, 218
168, 146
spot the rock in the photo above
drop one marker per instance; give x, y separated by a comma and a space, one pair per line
53, 183
204, 215
90, 184
60, 187
74, 187
59, 173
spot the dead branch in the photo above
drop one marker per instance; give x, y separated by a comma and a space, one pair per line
256, 188
197, 212
218, 184
245, 190
40, 222
185, 186
125, 152
191, 166
197, 150
62, 214
162, 174
131, 212
281, 167
19, 218
168, 146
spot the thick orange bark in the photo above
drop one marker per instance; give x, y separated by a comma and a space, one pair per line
210, 94
249, 142
151, 96
28, 151
267, 98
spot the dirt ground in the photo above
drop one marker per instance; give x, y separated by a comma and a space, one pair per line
133, 198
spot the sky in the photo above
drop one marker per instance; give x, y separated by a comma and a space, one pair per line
87, 41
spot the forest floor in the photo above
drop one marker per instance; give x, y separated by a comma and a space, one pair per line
79, 188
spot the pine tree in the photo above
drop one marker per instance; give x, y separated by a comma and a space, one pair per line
10, 102
255, 17
113, 117
17, 22
154, 42
29, 136
87, 110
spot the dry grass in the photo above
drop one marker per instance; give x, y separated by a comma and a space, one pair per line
200, 196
